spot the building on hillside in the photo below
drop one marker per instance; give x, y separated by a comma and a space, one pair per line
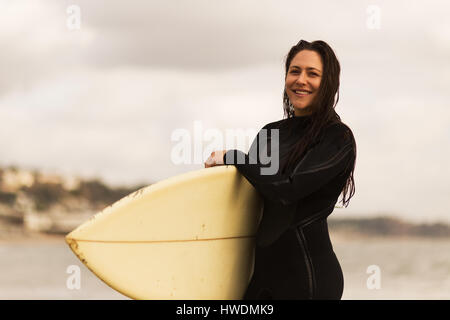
13, 179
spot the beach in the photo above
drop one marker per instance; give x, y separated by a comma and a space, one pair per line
36, 267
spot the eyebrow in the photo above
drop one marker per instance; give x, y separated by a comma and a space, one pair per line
309, 68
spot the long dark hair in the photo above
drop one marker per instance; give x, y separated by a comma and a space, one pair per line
322, 107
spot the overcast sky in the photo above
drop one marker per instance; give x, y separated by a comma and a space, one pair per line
103, 100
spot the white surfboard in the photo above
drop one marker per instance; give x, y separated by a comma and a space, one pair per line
187, 237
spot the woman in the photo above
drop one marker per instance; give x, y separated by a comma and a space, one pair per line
294, 258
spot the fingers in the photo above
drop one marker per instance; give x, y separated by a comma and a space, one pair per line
214, 159
209, 162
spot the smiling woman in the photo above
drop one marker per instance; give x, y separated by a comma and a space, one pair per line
294, 257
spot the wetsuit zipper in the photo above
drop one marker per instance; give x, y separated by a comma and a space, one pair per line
308, 261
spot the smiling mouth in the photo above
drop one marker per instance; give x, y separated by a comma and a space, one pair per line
299, 93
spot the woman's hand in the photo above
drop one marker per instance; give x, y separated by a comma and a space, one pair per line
215, 159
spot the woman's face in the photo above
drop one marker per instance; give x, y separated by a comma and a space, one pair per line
304, 73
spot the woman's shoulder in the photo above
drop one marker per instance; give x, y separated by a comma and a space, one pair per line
333, 129
339, 130
275, 124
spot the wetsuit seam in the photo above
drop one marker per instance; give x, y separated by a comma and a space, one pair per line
307, 154
308, 261
305, 222
336, 158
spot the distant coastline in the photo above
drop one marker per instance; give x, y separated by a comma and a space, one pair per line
36, 205
387, 226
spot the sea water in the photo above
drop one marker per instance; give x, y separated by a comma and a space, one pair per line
373, 269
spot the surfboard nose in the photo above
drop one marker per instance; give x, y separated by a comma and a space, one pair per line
187, 237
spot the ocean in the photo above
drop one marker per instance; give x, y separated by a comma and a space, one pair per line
373, 269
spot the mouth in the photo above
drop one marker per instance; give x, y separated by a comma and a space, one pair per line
301, 93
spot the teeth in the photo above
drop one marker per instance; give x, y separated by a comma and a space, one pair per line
301, 92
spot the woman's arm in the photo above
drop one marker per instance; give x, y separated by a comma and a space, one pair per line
330, 157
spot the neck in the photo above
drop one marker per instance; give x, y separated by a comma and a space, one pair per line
302, 112
296, 114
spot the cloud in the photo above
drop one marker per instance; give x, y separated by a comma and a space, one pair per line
118, 123
104, 100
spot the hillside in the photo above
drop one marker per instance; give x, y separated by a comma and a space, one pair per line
31, 201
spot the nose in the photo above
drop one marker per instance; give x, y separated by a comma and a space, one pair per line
301, 78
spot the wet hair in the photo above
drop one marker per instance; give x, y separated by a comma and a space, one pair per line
322, 107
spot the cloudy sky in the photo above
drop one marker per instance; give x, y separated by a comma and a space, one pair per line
103, 100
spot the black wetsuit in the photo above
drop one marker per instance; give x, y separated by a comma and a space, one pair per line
294, 257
